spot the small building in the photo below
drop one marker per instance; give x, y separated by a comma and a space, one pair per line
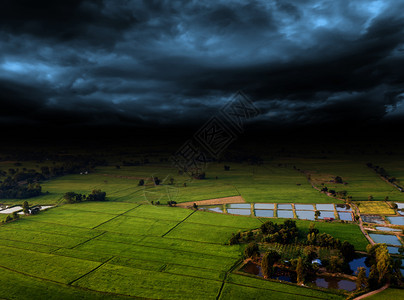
328, 219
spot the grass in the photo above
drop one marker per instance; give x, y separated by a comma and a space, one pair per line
143, 251
15, 286
125, 246
362, 181
388, 294
375, 207
237, 286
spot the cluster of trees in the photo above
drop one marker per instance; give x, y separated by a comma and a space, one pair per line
338, 194
383, 268
12, 189
279, 233
96, 195
382, 172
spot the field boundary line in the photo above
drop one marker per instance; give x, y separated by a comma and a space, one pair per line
116, 216
187, 251
288, 293
79, 244
66, 285
46, 232
96, 268
178, 223
231, 269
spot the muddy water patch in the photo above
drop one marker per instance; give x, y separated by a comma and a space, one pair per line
285, 214
387, 229
385, 238
285, 206
343, 207
239, 211
326, 214
396, 220
373, 219
345, 216
325, 207
304, 207
239, 205
305, 215
266, 213
264, 206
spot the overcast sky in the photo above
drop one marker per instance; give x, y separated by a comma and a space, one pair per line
169, 62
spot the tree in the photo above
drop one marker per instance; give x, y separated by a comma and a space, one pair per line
338, 179
300, 272
15, 215
251, 250
312, 228
383, 263
25, 207
370, 198
141, 182
195, 206
268, 261
335, 264
347, 251
361, 280
317, 213
97, 195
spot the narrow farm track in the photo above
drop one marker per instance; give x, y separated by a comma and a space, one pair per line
372, 292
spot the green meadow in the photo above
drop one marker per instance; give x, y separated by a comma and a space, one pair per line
126, 248
99, 250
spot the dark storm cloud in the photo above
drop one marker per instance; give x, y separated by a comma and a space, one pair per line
164, 62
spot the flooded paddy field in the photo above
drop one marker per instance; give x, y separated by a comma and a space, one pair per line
284, 210
385, 238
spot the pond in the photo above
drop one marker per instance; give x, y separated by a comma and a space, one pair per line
325, 206
401, 212
345, 216
357, 263
326, 214
10, 210
304, 206
285, 206
305, 214
400, 205
239, 205
334, 283
387, 229
218, 208
279, 274
343, 207
239, 211
266, 213
385, 238
396, 220
285, 214
393, 250
285, 275
264, 206
373, 219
